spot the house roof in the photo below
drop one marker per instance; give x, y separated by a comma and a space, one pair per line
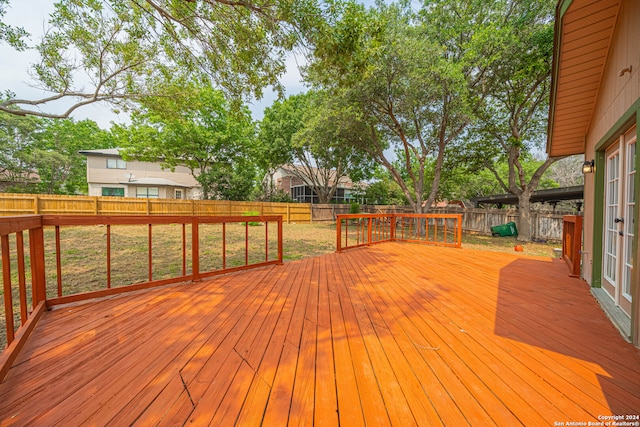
583, 33
102, 152
160, 182
301, 172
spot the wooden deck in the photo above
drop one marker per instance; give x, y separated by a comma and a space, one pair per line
393, 334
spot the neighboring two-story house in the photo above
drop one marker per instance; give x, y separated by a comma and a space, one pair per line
108, 174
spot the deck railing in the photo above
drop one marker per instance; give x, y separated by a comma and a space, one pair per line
355, 230
572, 243
37, 269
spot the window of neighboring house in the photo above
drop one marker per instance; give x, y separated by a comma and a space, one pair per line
147, 192
116, 164
178, 194
110, 191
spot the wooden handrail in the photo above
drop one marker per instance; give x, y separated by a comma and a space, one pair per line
431, 229
35, 225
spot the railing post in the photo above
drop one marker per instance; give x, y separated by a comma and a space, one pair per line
369, 234
38, 278
195, 250
338, 234
280, 245
392, 231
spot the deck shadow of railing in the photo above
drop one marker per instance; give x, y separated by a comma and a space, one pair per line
356, 230
32, 259
566, 321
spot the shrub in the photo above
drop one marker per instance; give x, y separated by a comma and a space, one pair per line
252, 213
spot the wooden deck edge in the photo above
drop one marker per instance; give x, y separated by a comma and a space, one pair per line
239, 268
13, 350
400, 240
115, 291
156, 283
619, 318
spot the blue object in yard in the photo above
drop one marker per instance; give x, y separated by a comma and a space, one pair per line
508, 229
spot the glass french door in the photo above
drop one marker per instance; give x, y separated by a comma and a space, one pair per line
619, 227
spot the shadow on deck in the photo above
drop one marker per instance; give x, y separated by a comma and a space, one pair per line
391, 334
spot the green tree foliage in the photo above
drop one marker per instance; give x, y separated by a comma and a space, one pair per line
396, 87
17, 136
55, 155
194, 125
299, 131
382, 190
38, 155
273, 145
14, 36
113, 50
468, 184
514, 48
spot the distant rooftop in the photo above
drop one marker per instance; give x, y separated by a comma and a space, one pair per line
102, 152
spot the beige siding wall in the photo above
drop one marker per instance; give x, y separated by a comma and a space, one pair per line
97, 172
617, 94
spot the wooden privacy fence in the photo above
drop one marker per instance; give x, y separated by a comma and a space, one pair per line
355, 230
33, 259
545, 225
328, 212
48, 204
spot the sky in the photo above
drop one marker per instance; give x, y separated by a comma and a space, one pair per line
14, 67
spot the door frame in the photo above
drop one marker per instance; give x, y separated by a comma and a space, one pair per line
630, 118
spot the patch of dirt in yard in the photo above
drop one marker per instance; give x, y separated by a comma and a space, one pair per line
508, 244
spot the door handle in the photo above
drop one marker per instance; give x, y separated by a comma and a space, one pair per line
617, 220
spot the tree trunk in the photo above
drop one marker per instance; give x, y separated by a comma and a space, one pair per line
525, 233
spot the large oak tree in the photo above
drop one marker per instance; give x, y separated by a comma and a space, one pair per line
111, 50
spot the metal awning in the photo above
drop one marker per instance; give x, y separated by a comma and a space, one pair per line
551, 195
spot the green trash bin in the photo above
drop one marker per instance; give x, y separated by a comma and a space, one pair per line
508, 229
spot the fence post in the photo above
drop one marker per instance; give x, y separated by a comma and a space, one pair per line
148, 206
288, 213
36, 204
95, 206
